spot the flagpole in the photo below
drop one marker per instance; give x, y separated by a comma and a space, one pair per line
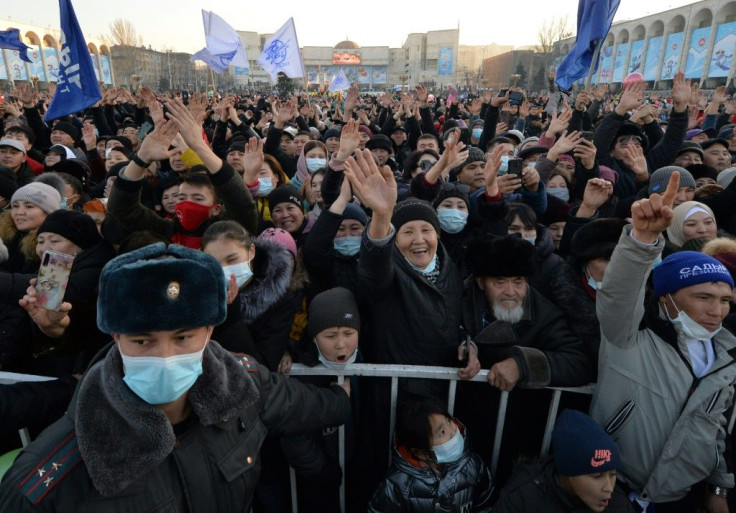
593, 63
298, 49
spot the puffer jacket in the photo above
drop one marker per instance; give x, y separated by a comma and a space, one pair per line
464, 485
669, 425
533, 488
112, 452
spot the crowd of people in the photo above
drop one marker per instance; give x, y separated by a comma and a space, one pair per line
555, 240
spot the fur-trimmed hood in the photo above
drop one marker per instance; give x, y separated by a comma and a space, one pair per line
106, 410
8, 234
272, 272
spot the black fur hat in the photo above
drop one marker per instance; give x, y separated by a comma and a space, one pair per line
156, 288
596, 239
502, 257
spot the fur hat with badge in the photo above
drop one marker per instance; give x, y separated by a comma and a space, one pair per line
501, 257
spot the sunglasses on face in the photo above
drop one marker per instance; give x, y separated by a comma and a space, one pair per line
426, 165
454, 186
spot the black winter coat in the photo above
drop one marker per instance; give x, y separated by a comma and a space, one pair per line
464, 485
533, 488
327, 268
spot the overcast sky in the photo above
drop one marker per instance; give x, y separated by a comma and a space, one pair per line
177, 24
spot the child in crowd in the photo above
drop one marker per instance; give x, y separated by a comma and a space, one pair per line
434, 468
580, 477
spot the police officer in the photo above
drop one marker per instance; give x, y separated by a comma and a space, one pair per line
164, 419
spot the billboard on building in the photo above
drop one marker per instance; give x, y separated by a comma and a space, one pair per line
619, 64
3, 71
106, 69
312, 74
723, 50
345, 58
52, 64
17, 66
379, 75
95, 65
604, 70
36, 66
699, 43
653, 49
240, 71
672, 53
444, 62
637, 47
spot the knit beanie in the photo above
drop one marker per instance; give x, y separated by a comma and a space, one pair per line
68, 128
703, 171
380, 142
687, 268
8, 185
332, 132
451, 190
722, 249
237, 146
43, 196
280, 237
413, 209
475, 154
353, 211
682, 213
284, 194
75, 226
661, 177
581, 446
333, 308
608, 174
725, 177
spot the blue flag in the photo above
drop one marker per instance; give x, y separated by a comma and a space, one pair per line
77, 87
594, 22
10, 39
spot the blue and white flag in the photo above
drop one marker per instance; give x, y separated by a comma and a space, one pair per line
281, 53
339, 83
10, 39
223, 45
594, 22
77, 87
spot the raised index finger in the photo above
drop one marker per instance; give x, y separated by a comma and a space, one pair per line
668, 198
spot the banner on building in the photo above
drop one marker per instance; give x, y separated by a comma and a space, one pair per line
379, 75
17, 66
95, 65
36, 65
241, 71
3, 71
106, 69
653, 50
637, 47
699, 43
672, 54
619, 63
444, 61
723, 50
52, 64
606, 65
343, 58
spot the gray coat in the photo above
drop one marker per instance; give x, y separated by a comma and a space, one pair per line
669, 426
112, 452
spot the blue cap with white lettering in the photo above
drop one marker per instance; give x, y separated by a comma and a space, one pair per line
687, 268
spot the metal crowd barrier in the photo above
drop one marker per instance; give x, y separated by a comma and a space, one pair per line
395, 372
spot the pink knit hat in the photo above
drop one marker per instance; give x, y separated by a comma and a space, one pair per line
279, 237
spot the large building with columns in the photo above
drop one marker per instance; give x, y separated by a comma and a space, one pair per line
699, 39
44, 52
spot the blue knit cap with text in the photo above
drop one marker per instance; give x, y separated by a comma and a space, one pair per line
687, 268
581, 446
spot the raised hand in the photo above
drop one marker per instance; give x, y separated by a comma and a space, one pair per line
565, 144
585, 151
498, 101
632, 97
156, 111
351, 99
349, 140
422, 95
636, 161
25, 94
493, 164
189, 128
252, 160
374, 186
156, 144
652, 216
680, 92
558, 122
597, 192
89, 137
50, 322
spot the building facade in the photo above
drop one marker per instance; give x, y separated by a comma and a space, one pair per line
699, 39
44, 54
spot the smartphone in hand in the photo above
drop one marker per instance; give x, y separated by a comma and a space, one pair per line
53, 277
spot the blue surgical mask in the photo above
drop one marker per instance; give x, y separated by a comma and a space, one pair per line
477, 132
452, 220
265, 186
427, 270
242, 272
504, 165
562, 193
62, 205
531, 240
347, 246
531, 164
451, 450
336, 365
161, 380
595, 285
313, 164
690, 328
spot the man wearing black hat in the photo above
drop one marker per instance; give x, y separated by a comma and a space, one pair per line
615, 135
382, 148
716, 154
164, 419
688, 154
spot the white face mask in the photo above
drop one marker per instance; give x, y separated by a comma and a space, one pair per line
451, 450
242, 272
688, 327
336, 365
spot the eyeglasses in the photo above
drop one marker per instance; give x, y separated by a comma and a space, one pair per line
454, 186
426, 165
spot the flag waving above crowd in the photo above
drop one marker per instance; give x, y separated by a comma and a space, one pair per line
223, 45
77, 87
10, 39
281, 53
340, 82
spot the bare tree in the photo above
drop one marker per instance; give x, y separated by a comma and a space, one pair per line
550, 32
122, 32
